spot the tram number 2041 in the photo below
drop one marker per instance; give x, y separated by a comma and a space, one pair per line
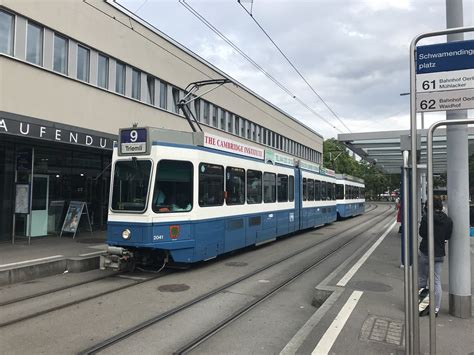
158, 237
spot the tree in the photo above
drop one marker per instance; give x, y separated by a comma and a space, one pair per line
337, 157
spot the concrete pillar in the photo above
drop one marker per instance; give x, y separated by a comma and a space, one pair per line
458, 194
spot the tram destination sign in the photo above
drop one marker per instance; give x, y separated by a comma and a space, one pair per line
445, 76
133, 141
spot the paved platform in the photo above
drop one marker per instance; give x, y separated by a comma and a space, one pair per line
364, 313
50, 255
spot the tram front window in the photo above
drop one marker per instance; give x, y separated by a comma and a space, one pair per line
173, 187
131, 179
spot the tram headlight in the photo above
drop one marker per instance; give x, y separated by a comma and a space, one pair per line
126, 234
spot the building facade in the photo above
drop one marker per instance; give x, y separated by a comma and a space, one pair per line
71, 74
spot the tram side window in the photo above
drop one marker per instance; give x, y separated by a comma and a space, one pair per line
282, 185
291, 188
235, 186
173, 187
305, 189
339, 191
310, 190
130, 188
324, 191
211, 185
269, 187
254, 186
317, 190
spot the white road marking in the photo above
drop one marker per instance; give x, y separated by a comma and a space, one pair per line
136, 278
327, 340
364, 257
31, 261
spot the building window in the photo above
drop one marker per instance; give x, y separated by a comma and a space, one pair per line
197, 109
163, 95
254, 186
83, 58
175, 93
136, 84
229, 122
103, 72
206, 112
243, 123
60, 54
34, 44
222, 120
214, 115
6, 32
235, 186
211, 185
236, 125
120, 78
150, 89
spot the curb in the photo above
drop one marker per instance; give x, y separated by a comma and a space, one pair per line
48, 268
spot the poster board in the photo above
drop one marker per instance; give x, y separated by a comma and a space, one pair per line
22, 198
73, 217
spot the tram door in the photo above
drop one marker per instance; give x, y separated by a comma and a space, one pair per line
37, 224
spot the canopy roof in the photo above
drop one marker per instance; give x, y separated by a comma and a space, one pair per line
383, 148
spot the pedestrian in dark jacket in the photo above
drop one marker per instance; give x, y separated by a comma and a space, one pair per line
443, 227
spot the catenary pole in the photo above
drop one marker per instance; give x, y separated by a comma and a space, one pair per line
458, 193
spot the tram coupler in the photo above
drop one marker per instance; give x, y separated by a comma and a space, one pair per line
117, 259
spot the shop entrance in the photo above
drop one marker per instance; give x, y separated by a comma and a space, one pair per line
46, 180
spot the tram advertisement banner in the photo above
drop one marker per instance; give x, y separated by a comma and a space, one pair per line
228, 145
73, 216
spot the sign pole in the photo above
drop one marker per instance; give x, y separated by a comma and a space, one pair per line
428, 104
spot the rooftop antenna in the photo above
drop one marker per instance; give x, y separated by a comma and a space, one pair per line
183, 104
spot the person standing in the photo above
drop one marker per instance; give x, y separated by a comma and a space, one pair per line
443, 228
399, 214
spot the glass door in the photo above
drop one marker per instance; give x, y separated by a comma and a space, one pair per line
38, 219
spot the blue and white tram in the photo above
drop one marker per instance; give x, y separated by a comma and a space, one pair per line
186, 197
350, 196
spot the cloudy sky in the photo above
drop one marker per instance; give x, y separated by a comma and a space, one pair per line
354, 53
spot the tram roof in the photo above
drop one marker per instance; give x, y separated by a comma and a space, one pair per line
383, 148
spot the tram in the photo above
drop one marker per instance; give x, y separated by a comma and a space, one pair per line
184, 197
350, 196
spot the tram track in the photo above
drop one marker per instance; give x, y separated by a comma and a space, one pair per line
134, 282
208, 334
382, 216
117, 289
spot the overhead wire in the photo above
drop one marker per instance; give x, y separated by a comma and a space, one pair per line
255, 64
182, 59
293, 66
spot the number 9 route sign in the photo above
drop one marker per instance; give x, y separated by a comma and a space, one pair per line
133, 141
445, 76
